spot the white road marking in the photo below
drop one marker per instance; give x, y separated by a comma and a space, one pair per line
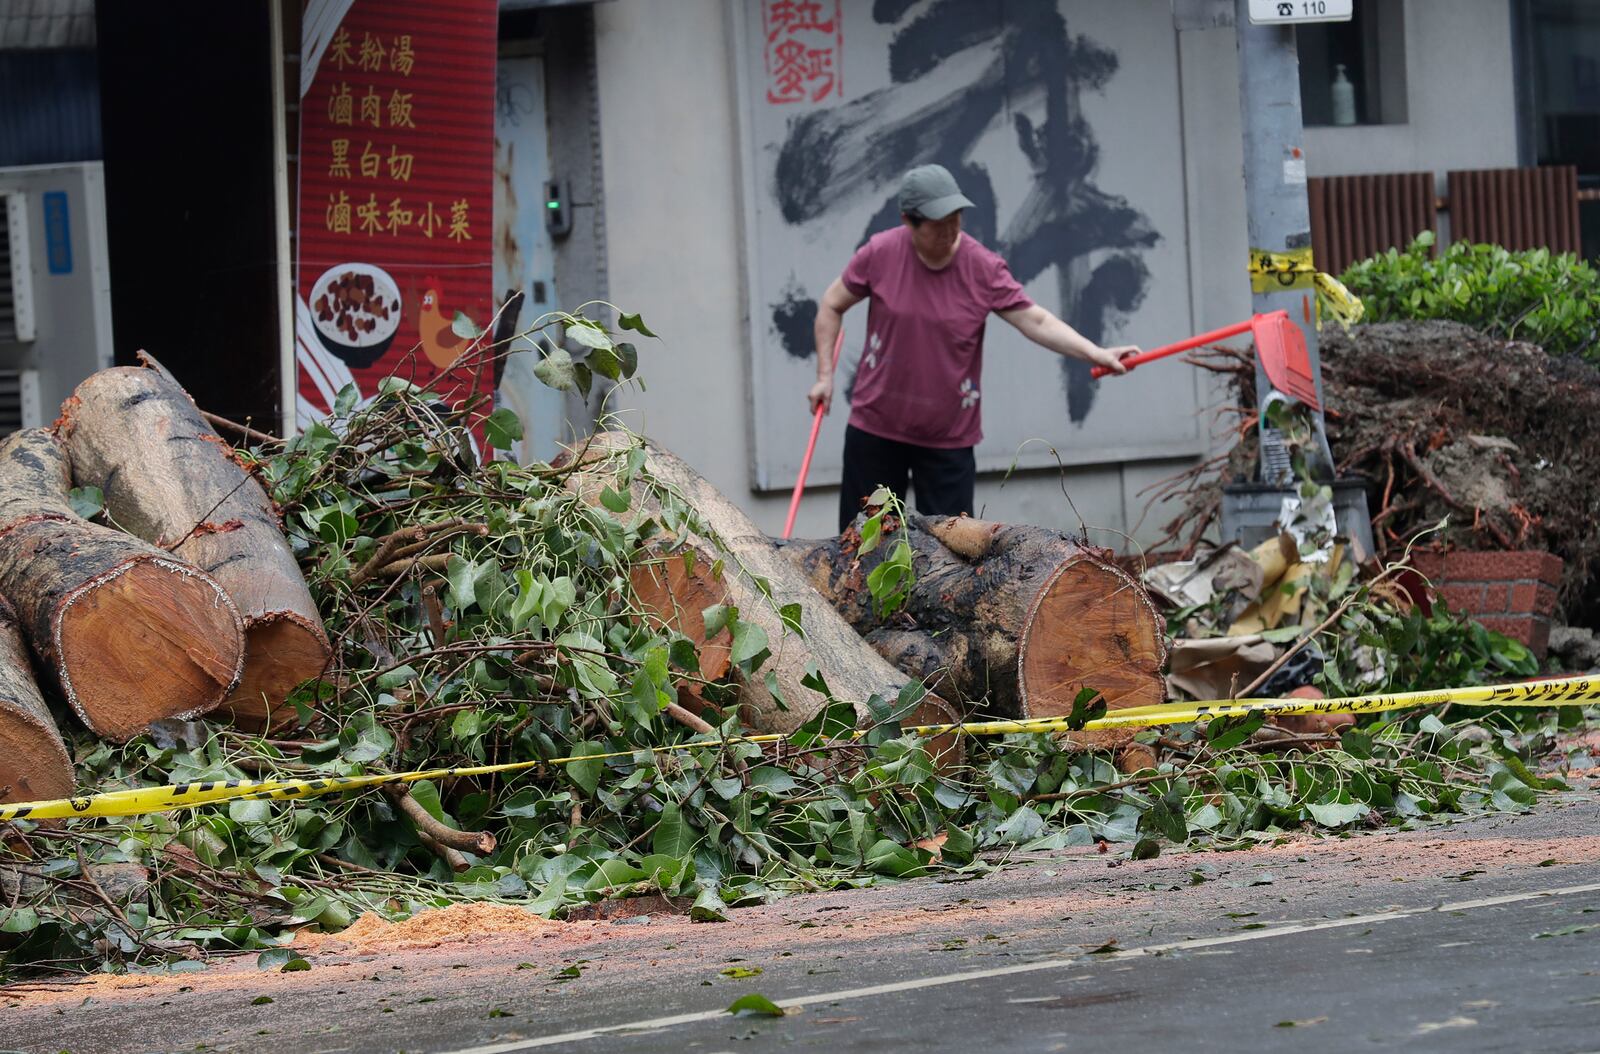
842, 995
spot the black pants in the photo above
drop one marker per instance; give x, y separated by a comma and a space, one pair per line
943, 479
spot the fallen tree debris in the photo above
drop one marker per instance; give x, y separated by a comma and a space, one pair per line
733, 563
1019, 618
134, 434
595, 612
130, 633
34, 765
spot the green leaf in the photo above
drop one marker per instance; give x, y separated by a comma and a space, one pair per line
398, 677
86, 501
773, 780
249, 812
463, 577
1022, 826
614, 873
556, 370
18, 920
502, 428
1337, 814
708, 907
372, 741
1225, 733
958, 845
585, 774
790, 614
749, 645
617, 503
684, 656
636, 324
462, 326
888, 857
739, 973
556, 599
346, 400
871, 531
589, 334
628, 358
717, 616
274, 958
1146, 849
1087, 706
754, 1005
673, 836
466, 724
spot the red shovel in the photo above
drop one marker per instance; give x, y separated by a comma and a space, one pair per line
1280, 345
811, 447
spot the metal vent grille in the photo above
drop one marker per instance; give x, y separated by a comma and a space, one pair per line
1354, 217
1517, 208
11, 400
8, 296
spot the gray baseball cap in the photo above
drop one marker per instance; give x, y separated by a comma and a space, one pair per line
930, 191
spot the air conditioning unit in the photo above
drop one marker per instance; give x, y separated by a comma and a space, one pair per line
55, 288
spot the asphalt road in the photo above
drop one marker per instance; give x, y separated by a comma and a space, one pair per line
1493, 974
1480, 935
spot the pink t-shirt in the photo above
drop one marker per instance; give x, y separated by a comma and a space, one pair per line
922, 362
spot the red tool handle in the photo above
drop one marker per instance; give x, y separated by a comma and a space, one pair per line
1182, 345
811, 448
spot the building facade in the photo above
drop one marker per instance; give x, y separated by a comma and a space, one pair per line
711, 165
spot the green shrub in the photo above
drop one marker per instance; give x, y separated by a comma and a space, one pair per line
1535, 295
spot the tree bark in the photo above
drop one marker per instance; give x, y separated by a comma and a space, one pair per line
34, 765
676, 595
132, 634
170, 480
1014, 619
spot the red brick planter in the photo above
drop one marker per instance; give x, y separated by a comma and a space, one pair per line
1510, 593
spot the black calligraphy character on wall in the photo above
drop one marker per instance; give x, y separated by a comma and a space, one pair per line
1024, 55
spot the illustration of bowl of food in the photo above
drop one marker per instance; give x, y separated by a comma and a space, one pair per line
356, 308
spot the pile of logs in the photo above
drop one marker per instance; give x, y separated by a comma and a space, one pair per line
1003, 621
195, 604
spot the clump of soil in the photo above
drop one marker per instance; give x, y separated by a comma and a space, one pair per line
1497, 434
1445, 421
428, 929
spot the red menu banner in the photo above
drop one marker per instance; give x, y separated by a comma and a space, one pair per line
396, 196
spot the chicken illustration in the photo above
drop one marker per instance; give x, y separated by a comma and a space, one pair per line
440, 343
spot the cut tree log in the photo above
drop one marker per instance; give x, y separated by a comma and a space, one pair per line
132, 634
676, 593
169, 479
1014, 619
34, 765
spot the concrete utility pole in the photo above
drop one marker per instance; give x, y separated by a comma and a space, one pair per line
1275, 193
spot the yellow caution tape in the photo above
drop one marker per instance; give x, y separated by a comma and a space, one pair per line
1574, 691
1272, 272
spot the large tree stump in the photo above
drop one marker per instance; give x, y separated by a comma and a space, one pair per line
1015, 619
34, 765
676, 594
168, 479
132, 634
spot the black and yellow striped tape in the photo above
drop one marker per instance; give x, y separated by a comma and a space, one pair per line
137, 801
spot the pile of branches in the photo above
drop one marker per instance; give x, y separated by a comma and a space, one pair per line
1489, 436
482, 611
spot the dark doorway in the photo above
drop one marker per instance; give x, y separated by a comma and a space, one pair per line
186, 107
